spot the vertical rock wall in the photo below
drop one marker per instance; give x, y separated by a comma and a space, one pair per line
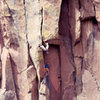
72, 30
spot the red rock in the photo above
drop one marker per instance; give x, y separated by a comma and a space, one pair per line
86, 13
97, 9
67, 70
73, 56
74, 20
53, 61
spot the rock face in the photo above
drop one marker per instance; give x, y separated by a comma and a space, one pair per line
7, 95
51, 13
70, 62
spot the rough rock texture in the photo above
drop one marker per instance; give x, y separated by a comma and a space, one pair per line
86, 9
89, 87
72, 30
33, 17
74, 17
51, 13
7, 95
7, 76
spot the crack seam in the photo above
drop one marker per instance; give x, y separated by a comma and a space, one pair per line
93, 76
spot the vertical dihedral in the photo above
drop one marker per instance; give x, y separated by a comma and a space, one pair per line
67, 64
34, 37
50, 27
75, 29
52, 59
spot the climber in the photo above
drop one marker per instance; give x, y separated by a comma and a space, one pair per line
46, 69
45, 48
44, 90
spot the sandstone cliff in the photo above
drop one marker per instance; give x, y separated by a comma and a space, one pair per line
72, 30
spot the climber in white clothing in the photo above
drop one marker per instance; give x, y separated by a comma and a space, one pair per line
45, 48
